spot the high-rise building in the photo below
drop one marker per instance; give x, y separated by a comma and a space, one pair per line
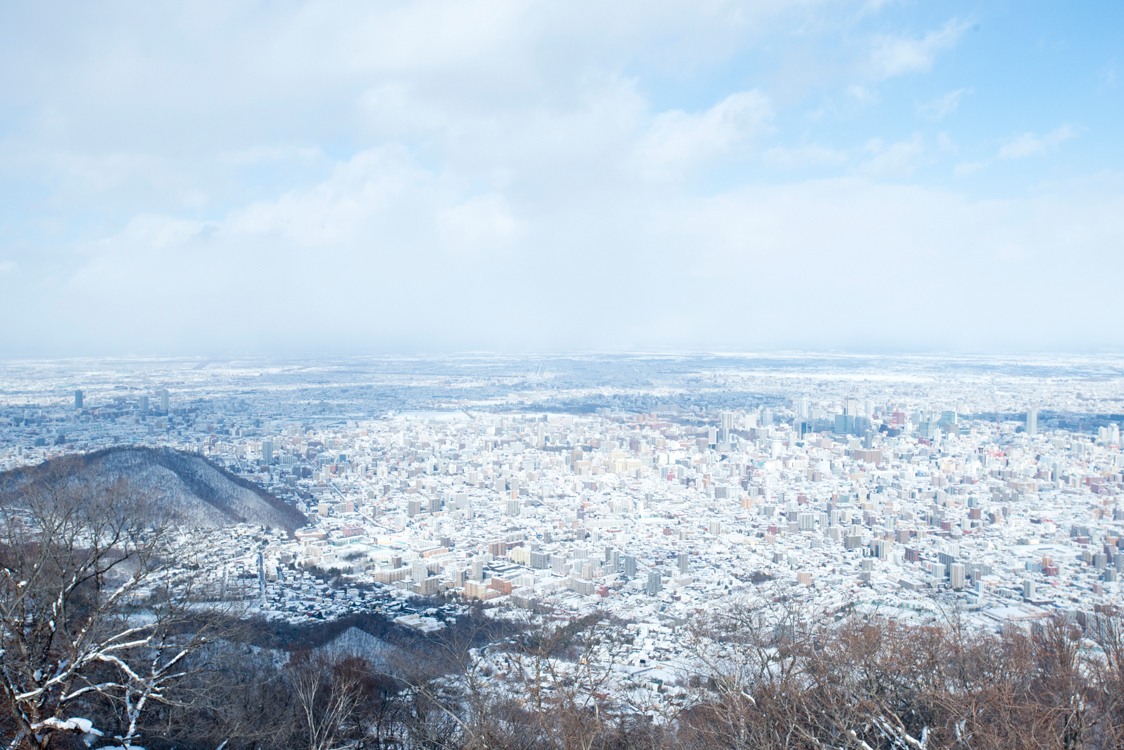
163, 394
684, 563
559, 565
653, 582
727, 426
803, 411
1032, 421
78, 399
267, 450
142, 402
628, 562
956, 575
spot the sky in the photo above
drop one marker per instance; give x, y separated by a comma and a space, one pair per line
208, 178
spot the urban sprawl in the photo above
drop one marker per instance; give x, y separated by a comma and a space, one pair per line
912, 492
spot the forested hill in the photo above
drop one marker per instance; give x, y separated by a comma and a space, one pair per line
198, 492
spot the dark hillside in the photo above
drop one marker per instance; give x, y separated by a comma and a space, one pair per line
194, 489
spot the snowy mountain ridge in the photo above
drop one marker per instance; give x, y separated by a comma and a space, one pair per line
197, 492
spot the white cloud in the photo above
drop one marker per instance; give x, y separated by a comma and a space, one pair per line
942, 106
804, 156
678, 140
1029, 144
480, 224
422, 260
366, 175
873, 6
160, 232
898, 55
862, 95
896, 160
1010, 251
263, 154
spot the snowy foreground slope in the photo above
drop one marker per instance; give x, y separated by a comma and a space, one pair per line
197, 492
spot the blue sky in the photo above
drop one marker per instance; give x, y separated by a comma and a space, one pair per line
251, 177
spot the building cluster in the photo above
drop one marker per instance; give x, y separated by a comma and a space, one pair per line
849, 496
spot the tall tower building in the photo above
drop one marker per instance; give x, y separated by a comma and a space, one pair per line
727, 426
1032, 421
628, 562
78, 399
163, 393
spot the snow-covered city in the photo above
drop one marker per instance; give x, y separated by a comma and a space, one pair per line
911, 488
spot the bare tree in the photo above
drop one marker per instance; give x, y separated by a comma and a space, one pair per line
327, 695
81, 627
563, 673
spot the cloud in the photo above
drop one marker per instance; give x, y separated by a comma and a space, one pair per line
678, 140
1029, 144
896, 160
898, 55
454, 174
1108, 75
263, 154
873, 6
804, 156
425, 263
942, 106
862, 95
479, 224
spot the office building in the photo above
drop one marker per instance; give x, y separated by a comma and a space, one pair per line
956, 575
628, 562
